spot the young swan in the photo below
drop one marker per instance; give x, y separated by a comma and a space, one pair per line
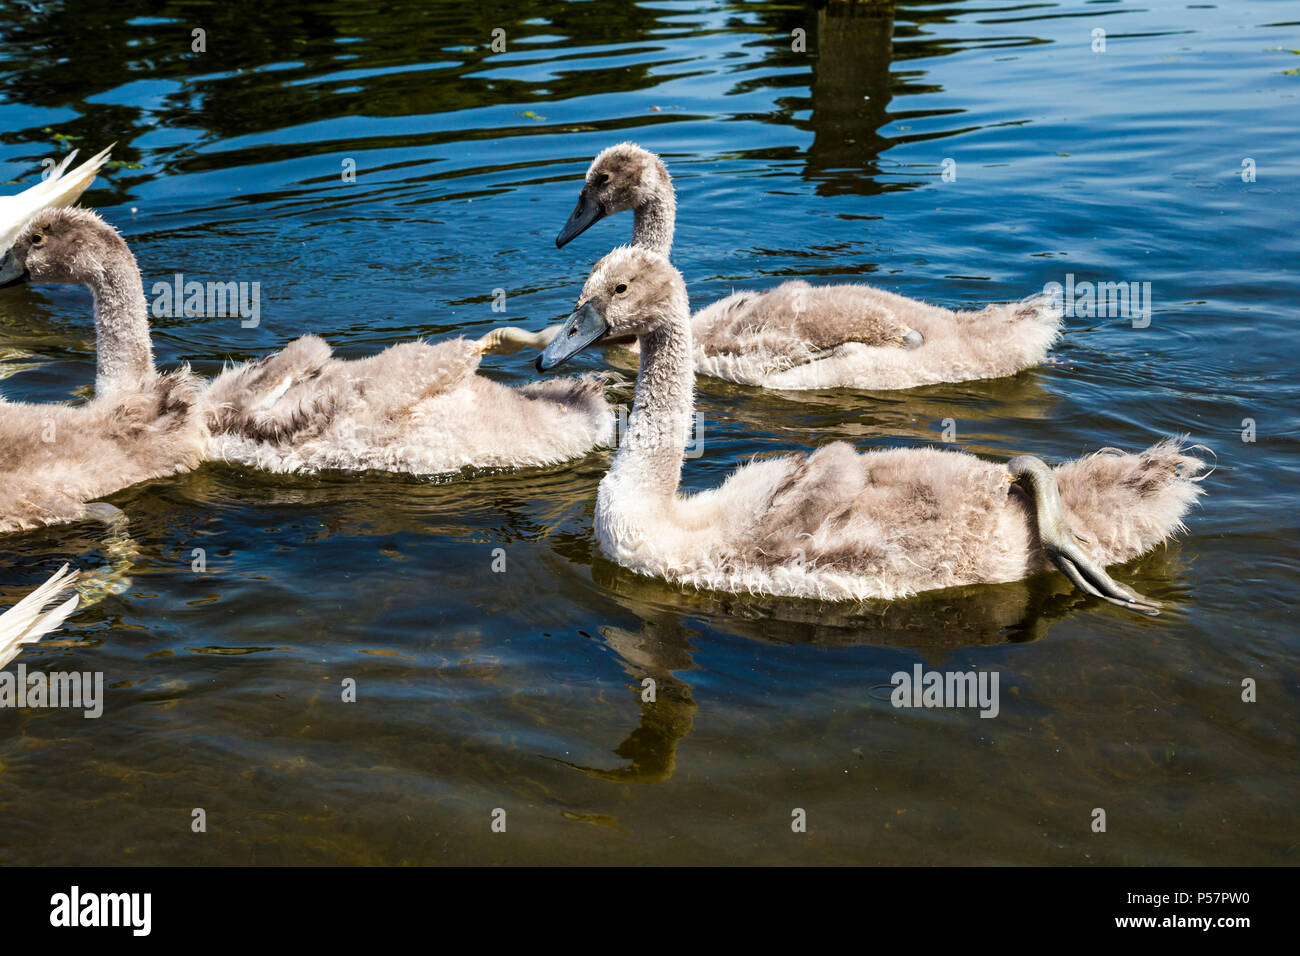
417, 407
799, 336
55, 459
836, 524
61, 188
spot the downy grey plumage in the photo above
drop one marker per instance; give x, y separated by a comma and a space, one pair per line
800, 336
837, 524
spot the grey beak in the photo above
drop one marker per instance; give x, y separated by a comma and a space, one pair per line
584, 215
12, 272
584, 327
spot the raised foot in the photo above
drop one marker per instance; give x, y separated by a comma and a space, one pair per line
110, 515
120, 549
508, 340
1092, 579
1059, 539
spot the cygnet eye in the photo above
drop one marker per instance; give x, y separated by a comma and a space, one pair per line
620, 288
37, 238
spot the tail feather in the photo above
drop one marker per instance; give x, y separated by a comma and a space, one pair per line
28, 621
1126, 504
64, 188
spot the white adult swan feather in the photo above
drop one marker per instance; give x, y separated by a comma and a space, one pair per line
33, 617
61, 188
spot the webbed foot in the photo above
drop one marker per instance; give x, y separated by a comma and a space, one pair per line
508, 340
1058, 539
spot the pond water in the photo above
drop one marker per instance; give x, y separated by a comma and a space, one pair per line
959, 153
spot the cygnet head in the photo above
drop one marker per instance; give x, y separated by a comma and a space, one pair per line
622, 177
61, 246
630, 292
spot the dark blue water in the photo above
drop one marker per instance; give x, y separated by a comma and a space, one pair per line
520, 690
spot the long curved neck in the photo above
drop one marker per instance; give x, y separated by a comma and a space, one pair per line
654, 221
125, 354
650, 454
